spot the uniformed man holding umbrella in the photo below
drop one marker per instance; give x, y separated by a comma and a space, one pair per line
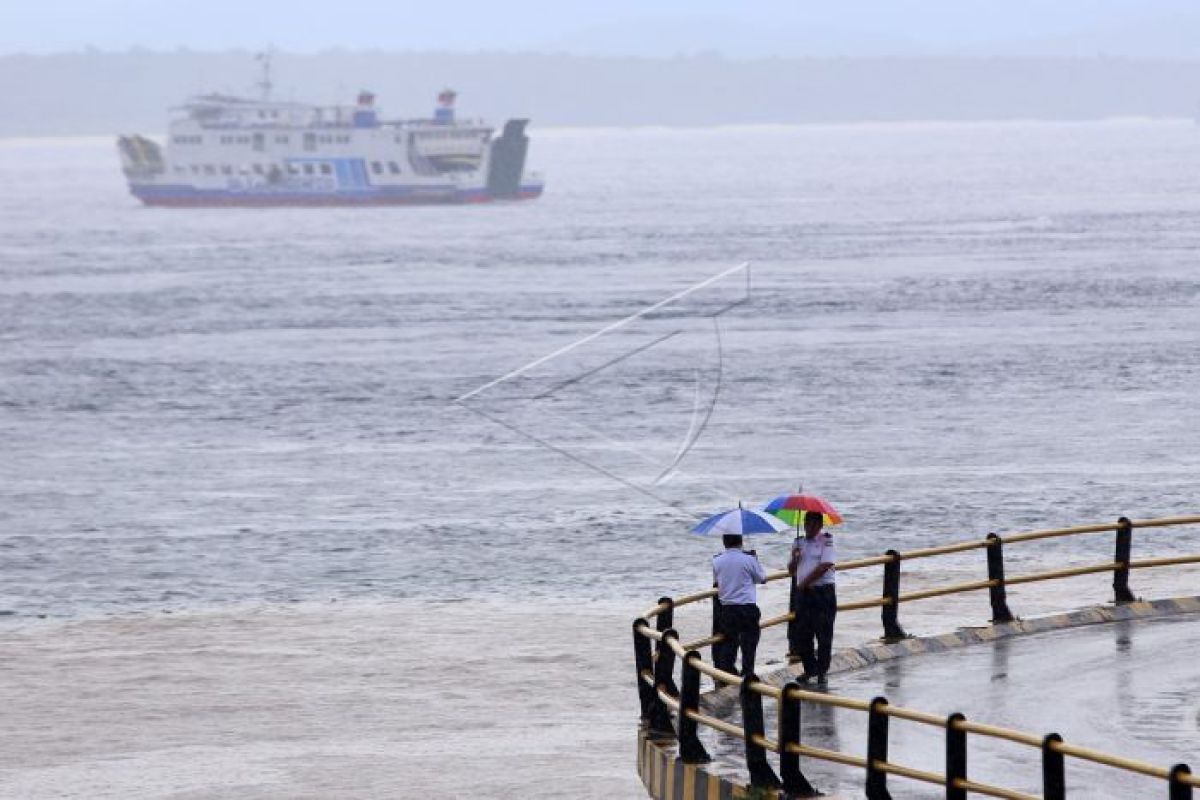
736, 574
814, 577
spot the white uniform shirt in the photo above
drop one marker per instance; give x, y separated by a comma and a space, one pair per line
736, 572
815, 551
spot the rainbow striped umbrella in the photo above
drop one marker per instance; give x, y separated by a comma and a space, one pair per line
740, 521
791, 508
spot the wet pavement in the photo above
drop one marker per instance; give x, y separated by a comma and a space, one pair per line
1127, 688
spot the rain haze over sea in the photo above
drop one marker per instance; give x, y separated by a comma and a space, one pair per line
233, 460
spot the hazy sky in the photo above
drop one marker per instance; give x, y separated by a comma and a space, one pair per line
617, 27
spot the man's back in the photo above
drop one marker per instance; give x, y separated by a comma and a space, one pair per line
736, 572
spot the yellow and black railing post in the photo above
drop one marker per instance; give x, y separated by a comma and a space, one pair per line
889, 611
997, 592
794, 781
1121, 574
1179, 789
956, 757
877, 750
691, 751
644, 663
1054, 782
664, 681
761, 774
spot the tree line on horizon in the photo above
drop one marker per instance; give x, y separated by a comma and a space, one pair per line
93, 92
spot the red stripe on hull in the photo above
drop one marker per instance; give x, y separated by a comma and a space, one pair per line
311, 202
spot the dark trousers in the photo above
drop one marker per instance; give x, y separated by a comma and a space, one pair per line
815, 609
739, 626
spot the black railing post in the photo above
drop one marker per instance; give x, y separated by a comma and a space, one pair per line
664, 623
995, 564
664, 666
892, 632
1179, 789
716, 615
691, 751
665, 619
664, 652
877, 750
956, 757
761, 774
644, 662
1054, 782
794, 781
1121, 575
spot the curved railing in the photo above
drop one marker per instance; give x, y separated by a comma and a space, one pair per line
659, 695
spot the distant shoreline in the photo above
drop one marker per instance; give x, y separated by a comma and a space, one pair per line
92, 137
85, 92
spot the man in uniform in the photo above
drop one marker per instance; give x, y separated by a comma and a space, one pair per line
735, 572
814, 599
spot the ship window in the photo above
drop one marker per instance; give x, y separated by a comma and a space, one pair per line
293, 169
209, 169
258, 169
310, 141
326, 169
308, 169
180, 170
393, 168
195, 169
226, 169
281, 140
377, 167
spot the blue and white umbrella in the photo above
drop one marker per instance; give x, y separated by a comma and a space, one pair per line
741, 521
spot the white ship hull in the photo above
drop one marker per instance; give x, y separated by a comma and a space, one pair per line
229, 151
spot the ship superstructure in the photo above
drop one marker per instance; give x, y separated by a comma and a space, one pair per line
225, 150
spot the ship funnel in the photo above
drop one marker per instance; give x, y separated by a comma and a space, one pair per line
444, 113
364, 114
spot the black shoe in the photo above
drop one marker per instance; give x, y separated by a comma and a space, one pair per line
822, 681
805, 678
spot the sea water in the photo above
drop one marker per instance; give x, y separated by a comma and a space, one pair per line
251, 545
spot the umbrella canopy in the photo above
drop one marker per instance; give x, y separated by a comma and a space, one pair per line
741, 521
791, 508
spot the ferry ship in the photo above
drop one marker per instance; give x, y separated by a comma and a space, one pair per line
234, 151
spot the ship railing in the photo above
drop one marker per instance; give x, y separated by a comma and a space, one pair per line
672, 711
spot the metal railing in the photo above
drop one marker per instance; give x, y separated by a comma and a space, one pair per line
659, 695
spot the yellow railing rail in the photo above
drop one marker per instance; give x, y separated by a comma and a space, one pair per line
656, 682
958, 547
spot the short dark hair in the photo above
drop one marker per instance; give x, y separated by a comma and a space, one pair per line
810, 516
732, 539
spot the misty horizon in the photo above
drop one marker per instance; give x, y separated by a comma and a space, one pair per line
98, 92
621, 28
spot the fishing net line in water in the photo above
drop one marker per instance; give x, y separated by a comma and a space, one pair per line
633, 400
